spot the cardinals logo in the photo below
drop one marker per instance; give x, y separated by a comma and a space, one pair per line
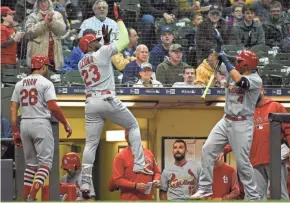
186, 180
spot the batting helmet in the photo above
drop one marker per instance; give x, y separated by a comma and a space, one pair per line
39, 60
70, 161
247, 58
86, 40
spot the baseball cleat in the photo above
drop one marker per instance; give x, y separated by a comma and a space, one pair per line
31, 199
200, 194
145, 171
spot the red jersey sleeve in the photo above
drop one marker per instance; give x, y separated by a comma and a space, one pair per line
227, 149
118, 174
285, 126
235, 191
157, 173
112, 186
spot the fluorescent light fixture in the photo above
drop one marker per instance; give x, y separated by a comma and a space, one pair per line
115, 135
222, 104
128, 104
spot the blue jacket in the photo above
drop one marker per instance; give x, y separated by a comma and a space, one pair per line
131, 73
157, 55
75, 56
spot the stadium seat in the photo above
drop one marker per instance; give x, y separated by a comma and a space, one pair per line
282, 58
231, 50
71, 78
260, 48
273, 74
9, 76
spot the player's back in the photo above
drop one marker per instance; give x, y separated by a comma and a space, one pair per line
96, 69
32, 94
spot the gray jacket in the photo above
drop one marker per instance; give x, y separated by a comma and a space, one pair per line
247, 36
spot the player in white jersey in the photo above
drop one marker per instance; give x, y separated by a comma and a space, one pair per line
237, 125
35, 95
102, 103
71, 163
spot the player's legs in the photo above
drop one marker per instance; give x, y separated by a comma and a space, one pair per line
261, 177
121, 115
94, 127
42, 136
30, 157
240, 138
214, 145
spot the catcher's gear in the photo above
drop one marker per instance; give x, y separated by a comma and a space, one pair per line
106, 34
71, 161
247, 59
37, 61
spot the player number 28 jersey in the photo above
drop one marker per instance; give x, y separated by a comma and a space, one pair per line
32, 94
96, 69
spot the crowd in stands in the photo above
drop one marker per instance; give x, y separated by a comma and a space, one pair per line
170, 35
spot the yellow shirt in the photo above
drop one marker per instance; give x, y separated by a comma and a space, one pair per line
203, 74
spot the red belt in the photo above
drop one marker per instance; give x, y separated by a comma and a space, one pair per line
103, 92
236, 118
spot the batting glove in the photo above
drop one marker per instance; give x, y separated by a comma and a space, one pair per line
117, 12
68, 129
17, 139
106, 34
222, 57
219, 41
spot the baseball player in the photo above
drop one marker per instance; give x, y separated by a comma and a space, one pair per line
71, 163
260, 149
179, 180
102, 103
36, 97
236, 126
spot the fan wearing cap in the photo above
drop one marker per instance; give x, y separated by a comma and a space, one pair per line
9, 39
44, 28
170, 70
71, 163
206, 34
146, 77
159, 51
35, 96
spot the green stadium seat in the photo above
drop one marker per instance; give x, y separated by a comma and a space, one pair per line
72, 78
9, 76
260, 48
282, 58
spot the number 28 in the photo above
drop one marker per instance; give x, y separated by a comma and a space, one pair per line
32, 96
93, 69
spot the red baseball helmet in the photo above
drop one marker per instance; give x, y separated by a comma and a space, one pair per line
248, 59
39, 60
86, 40
70, 161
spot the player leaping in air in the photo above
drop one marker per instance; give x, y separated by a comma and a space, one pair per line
236, 126
102, 103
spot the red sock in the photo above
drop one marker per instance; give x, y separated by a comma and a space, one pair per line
41, 175
28, 180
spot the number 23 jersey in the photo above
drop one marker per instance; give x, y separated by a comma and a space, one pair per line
32, 94
96, 69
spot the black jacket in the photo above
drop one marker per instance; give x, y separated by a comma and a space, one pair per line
156, 8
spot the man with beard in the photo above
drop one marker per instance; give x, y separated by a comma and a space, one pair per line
179, 180
260, 150
188, 75
35, 95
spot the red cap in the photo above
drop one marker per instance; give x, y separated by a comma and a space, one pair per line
39, 60
6, 10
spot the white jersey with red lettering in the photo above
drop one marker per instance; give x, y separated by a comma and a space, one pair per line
96, 69
32, 93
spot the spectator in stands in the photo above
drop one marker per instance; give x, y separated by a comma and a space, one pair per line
131, 71
96, 22
146, 77
204, 72
152, 10
44, 28
262, 9
120, 60
248, 33
225, 184
76, 54
170, 70
187, 8
197, 19
237, 15
8, 38
159, 51
23, 8
206, 34
188, 76
285, 44
132, 185
228, 12
276, 26
179, 180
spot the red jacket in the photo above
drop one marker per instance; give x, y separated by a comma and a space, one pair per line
8, 54
260, 149
124, 178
